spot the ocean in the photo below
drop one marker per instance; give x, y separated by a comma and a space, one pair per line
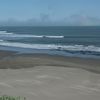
77, 41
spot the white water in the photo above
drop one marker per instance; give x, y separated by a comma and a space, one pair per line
51, 46
5, 34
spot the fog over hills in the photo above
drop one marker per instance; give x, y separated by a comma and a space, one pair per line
47, 20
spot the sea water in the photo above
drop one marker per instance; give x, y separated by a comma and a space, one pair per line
82, 41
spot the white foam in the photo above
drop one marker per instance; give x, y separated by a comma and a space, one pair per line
1, 40
26, 36
52, 46
33, 36
5, 33
54, 36
34, 46
81, 48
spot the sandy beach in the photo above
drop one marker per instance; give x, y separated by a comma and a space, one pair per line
49, 77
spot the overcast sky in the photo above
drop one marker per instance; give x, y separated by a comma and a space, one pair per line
85, 12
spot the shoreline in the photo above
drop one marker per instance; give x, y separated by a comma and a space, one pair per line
13, 60
75, 54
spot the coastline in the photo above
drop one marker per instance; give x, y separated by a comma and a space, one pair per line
13, 60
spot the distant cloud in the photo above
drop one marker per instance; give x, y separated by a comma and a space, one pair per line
83, 20
46, 19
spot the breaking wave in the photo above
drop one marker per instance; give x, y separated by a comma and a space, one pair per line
5, 34
89, 48
54, 36
1, 40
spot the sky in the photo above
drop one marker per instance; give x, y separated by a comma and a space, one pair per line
50, 12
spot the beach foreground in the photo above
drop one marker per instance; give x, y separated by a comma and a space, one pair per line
47, 77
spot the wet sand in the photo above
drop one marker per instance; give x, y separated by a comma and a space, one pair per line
47, 77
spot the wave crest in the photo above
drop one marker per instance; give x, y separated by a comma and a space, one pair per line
52, 46
6, 34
